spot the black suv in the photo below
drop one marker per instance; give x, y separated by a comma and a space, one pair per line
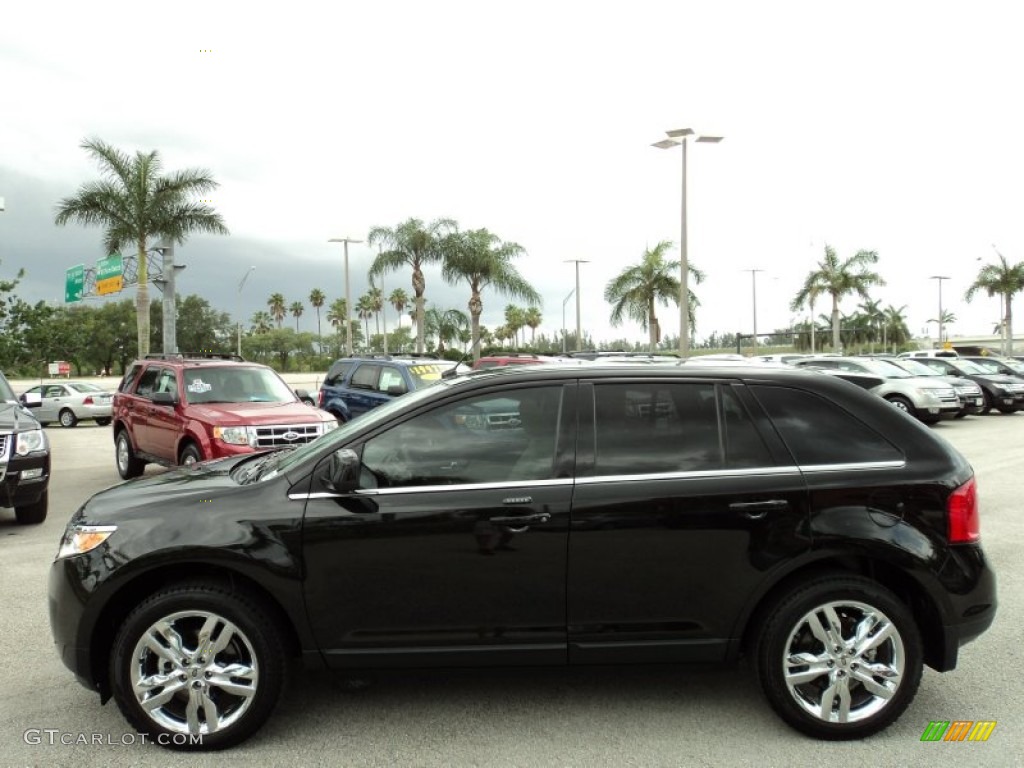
621, 514
24, 457
355, 385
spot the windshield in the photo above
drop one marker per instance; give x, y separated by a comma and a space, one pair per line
966, 366
916, 368
235, 384
987, 366
6, 393
886, 369
428, 373
344, 432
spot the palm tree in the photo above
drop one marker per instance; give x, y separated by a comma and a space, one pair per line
894, 329
413, 244
837, 279
316, 300
447, 325
134, 202
636, 290
261, 322
376, 296
399, 299
364, 308
1002, 279
296, 310
947, 318
533, 321
482, 260
277, 307
874, 317
337, 313
515, 319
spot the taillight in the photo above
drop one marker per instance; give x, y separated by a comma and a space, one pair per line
87, 401
320, 399
962, 513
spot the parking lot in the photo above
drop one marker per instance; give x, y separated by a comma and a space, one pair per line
638, 717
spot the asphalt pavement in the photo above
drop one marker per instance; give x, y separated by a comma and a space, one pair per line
596, 717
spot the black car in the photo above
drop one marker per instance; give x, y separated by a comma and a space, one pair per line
1002, 391
613, 514
24, 458
355, 385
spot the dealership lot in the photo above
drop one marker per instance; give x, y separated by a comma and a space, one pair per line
647, 716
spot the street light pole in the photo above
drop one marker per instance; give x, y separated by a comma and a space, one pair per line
348, 294
564, 302
940, 278
579, 337
238, 307
678, 137
753, 286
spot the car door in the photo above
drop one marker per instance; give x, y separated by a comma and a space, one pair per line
55, 397
38, 412
452, 549
683, 508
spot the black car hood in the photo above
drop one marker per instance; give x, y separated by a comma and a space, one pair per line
183, 489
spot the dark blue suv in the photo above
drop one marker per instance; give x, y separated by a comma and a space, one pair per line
355, 385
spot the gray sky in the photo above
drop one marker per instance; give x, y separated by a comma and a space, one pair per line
887, 126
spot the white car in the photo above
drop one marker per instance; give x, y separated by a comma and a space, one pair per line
71, 401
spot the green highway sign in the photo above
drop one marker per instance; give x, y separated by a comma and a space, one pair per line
74, 283
109, 275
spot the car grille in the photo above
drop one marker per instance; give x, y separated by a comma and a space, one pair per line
280, 435
970, 390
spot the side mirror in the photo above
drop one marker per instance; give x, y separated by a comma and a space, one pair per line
343, 471
164, 398
31, 399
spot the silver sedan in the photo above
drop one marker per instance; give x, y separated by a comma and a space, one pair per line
71, 401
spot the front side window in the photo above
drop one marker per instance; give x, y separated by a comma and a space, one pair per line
817, 431
493, 438
391, 380
148, 381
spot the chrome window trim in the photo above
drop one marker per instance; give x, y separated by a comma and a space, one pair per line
693, 475
566, 481
853, 466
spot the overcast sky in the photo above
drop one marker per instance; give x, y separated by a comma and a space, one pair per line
894, 127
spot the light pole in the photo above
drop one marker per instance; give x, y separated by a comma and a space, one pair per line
679, 137
940, 278
577, 262
238, 307
564, 302
348, 294
753, 287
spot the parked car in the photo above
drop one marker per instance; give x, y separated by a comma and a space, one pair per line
178, 409
920, 396
1003, 392
930, 353
992, 364
971, 395
24, 457
639, 514
69, 402
355, 385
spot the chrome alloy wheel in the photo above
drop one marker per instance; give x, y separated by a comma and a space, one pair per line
194, 672
844, 662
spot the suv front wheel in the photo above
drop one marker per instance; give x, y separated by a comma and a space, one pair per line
840, 658
128, 466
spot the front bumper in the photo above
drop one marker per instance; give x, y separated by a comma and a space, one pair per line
17, 490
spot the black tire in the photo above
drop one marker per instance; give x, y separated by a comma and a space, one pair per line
67, 418
102, 422
33, 514
190, 454
960, 414
990, 403
128, 466
795, 632
1006, 408
241, 635
901, 403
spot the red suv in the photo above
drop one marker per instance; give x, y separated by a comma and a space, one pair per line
174, 409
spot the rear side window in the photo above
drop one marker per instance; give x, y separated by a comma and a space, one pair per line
337, 374
817, 431
129, 378
366, 377
656, 427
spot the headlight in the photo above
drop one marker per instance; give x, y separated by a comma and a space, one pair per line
79, 539
232, 435
33, 440
330, 426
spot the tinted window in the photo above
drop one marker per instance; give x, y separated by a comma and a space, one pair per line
485, 439
148, 381
645, 428
817, 431
337, 373
6, 393
129, 378
366, 377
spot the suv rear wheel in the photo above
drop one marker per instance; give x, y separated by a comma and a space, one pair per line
128, 466
840, 658
195, 660
190, 454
